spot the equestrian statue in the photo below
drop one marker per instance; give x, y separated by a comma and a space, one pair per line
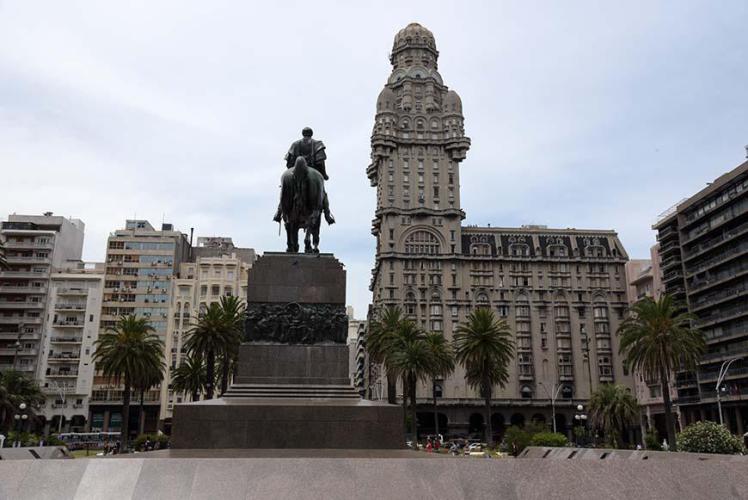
303, 198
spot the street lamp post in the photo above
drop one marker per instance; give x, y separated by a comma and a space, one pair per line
555, 389
20, 419
722, 373
61, 391
580, 417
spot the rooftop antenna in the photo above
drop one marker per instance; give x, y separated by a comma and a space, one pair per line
746, 151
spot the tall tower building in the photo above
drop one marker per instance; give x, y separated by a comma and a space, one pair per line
141, 263
35, 245
417, 143
562, 291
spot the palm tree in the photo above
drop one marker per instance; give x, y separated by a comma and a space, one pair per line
234, 312
381, 331
208, 338
484, 347
190, 377
443, 364
412, 358
656, 340
612, 409
129, 352
17, 388
151, 377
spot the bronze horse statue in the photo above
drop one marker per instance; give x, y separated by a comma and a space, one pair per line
302, 203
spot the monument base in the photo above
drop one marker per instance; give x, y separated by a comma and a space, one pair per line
292, 387
289, 396
301, 422
273, 363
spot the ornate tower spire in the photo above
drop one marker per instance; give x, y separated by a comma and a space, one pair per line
414, 45
418, 142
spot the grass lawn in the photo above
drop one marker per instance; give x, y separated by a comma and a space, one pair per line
82, 453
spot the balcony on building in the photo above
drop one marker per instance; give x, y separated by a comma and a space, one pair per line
726, 236
718, 278
11, 351
28, 244
673, 276
67, 306
710, 227
734, 350
66, 339
64, 356
667, 233
21, 288
71, 291
24, 336
719, 296
27, 259
21, 304
732, 373
60, 323
671, 262
25, 273
61, 373
721, 258
10, 320
28, 368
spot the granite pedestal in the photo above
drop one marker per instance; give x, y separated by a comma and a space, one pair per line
292, 387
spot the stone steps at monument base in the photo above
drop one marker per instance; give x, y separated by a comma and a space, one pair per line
295, 391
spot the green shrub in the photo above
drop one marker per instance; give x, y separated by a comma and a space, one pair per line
516, 439
53, 440
652, 440
553, 439
26, 438
709, 437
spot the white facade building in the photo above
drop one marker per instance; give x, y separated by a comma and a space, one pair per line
219, 269
35, 245
66, 365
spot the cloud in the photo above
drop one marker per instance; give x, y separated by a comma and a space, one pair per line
581, 115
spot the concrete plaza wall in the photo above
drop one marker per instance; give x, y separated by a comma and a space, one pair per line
390, 478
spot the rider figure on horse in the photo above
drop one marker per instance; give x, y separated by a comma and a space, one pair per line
303, 196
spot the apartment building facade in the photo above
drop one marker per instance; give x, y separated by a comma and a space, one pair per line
703, 247
644, 279
216, 269
66, 364
141, 265
35, 245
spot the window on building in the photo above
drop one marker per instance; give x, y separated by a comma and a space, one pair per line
422, 242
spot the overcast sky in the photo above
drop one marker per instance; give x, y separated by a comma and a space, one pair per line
582, 114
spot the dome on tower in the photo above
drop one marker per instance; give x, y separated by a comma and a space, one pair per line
414, 34
386, 100
414, 46
452, 102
